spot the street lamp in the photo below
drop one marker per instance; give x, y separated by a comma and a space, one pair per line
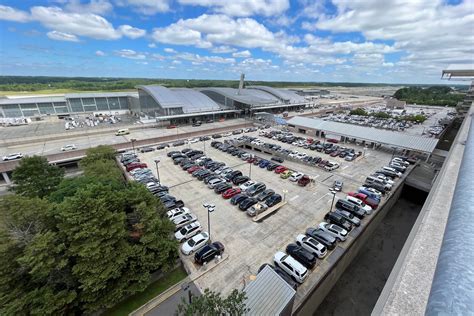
157, 170
250, 167
210, 208
284, 194
333, 196
133, 140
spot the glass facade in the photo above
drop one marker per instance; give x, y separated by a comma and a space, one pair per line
148, 105
76, 105
114, 103
102, 104
46, 108
12, 110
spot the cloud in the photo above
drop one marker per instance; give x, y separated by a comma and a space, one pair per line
12, 14
179, 34
197, 59
243, 7
130, 54
60, 36
146, 7
99, 53
94, 6
131, 32
223, 49
244, 54
152, 45
87, 24
169, 50
430, 31
176, 62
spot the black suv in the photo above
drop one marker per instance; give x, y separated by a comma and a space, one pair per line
323, 237
209, 252
338, 219
351, 207
302, 255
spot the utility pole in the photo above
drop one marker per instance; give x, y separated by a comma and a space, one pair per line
157, 170
133, 140
210, 208
333, 197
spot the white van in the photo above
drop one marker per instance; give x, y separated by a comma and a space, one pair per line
289, 264
121, 132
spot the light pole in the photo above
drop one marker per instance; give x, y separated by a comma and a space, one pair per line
284, 194
333, 197
157, 170
133, 140
210, 208
250, 167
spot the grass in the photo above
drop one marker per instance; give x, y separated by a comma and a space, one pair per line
154, 289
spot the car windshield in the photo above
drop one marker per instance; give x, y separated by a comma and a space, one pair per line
183, 230
191, 242
337, 228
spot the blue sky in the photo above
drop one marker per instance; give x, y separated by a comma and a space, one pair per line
398, 41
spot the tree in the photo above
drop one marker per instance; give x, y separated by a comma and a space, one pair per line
102, 152
212, 303
359, 111
381, 115
36, 177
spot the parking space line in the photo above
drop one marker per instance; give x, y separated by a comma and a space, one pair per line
294, 198
176, 185
343, 168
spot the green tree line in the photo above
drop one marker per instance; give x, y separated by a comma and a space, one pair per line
78, 245
436, 95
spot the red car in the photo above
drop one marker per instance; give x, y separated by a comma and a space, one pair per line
303, 181
309, 140
171, 126
280, 169
135, 165
364, 198
251, 160
192, 169
332, 140
230, 193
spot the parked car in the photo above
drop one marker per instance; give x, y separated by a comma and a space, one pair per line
337, 219
256, 209
146, 149
303, 256
209, 252
174, 213
304, 181
184, 219
246, 203
222, 187
359, 203
337, 231
311, 245
236, 199
296, 176
273, 200
265, 195
136, 165
231, 192
255, 189
195, 243
240, 180
348, 216
323, 237
350, 207
364, 198
338, 184
277, 159
188, 231
370, 194
291, 266
280, 169
213, 183
286, 174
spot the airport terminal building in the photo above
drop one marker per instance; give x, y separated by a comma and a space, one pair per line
158, 102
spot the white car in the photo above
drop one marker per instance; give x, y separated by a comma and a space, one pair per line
384, 178
330, 166
367, 209
172, 214
401, 161
13, 156
334, 230
296, 176
227, 134
291, 266
246, 185
183, 220
152, 185
226, 172
312, 245
214, 182
195, 243
192, 141
399, 174
221, 170
188, 231
301, 156
68, 147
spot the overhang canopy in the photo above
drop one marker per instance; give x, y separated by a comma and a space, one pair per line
394, 139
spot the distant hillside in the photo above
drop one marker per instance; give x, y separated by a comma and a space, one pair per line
436, 95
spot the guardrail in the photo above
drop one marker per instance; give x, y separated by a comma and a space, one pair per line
453, 284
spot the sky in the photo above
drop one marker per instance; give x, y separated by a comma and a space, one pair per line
374, 41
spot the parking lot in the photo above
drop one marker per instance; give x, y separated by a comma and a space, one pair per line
250, 244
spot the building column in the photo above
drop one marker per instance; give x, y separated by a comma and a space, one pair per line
6, 178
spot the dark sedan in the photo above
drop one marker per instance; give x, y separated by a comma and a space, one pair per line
220, 188
248, 202
236, 199
209, 252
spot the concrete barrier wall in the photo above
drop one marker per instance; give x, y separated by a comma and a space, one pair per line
311, 302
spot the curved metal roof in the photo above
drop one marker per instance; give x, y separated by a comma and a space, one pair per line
188, 99
282, 94
247, 96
